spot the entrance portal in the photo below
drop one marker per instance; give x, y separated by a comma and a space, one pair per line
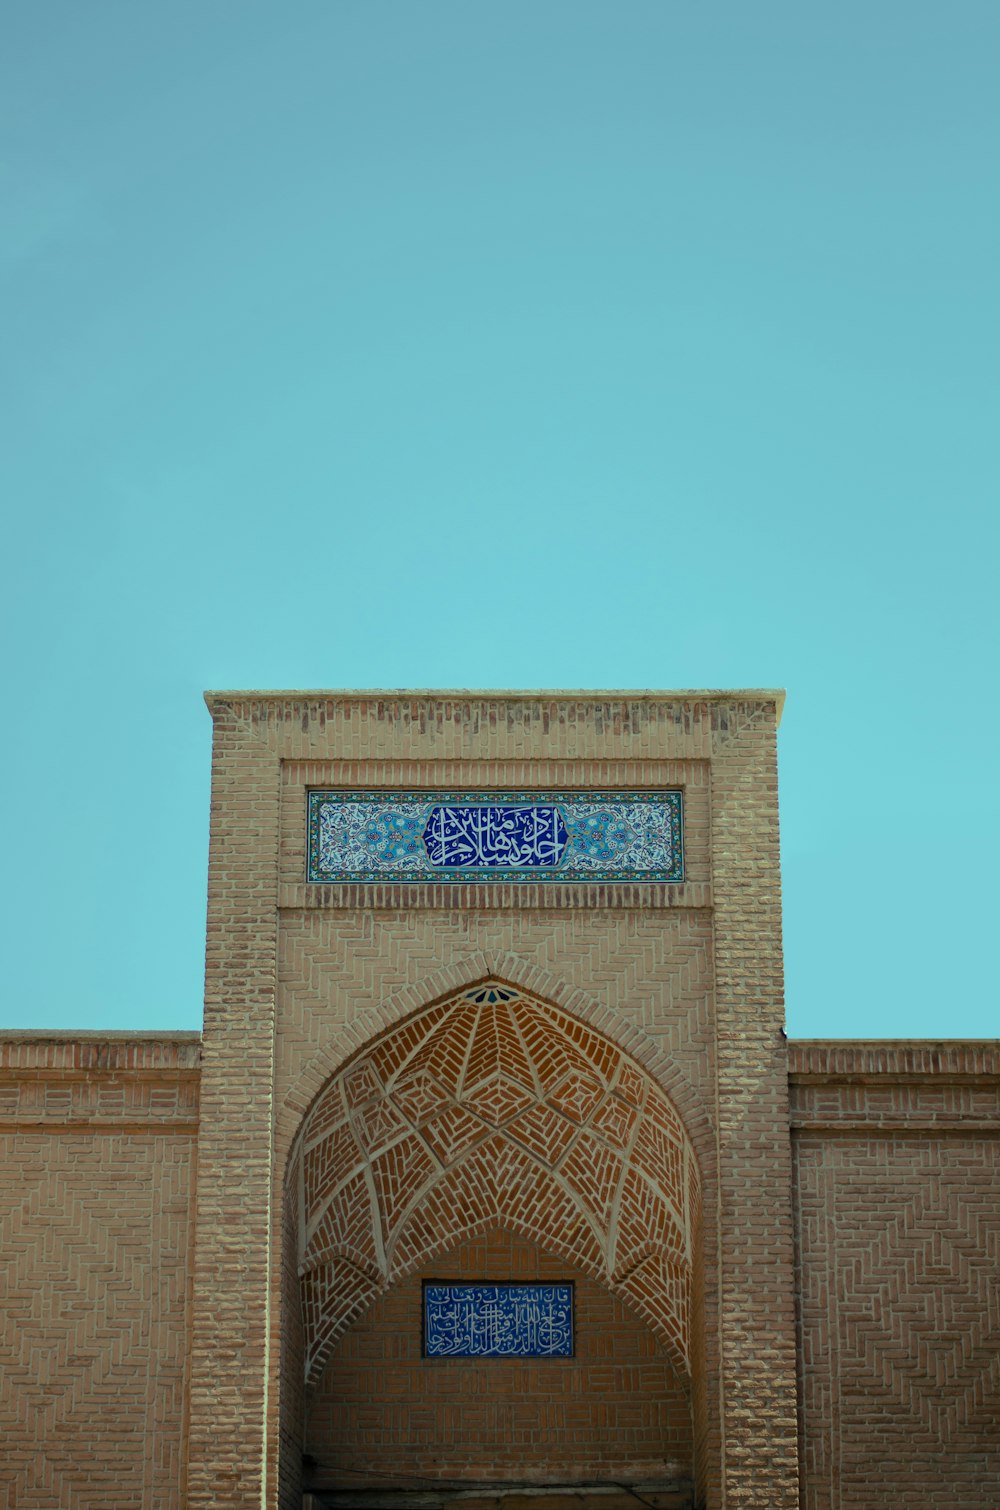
493, 1140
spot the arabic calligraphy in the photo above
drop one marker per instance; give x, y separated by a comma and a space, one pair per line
484, 836
498, 1321
495, 836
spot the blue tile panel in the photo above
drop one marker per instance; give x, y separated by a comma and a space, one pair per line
492, 836
498, 1321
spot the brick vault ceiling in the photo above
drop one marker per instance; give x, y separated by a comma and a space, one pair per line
492, 1109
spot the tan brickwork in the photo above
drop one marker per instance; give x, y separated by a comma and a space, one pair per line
235, 1377
645, 979
212, 1254
384, 1415
97, 1140
897, 1187
690, 775
292, 1403
469, 1116
291, 998
185, 1237
755, 1298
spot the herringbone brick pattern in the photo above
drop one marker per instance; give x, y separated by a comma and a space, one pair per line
493, 1109
898, 1236
94, 1234
96, 1169
645, 1041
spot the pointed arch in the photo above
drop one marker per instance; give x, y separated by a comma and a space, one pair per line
493, 1107
372, 1019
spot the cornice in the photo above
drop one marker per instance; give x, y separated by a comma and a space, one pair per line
220, 698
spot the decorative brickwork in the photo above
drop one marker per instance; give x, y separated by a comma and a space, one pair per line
294, 994
96, 1165
212, 1253
898, 1227
643, 981
470, 1116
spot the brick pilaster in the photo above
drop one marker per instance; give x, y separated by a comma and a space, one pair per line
756, 1301
229, 1369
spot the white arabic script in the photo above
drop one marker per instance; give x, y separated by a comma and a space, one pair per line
495, 836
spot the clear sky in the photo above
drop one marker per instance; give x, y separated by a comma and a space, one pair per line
526, 344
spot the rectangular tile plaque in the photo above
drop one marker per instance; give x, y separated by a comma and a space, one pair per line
495, 836
498, 1321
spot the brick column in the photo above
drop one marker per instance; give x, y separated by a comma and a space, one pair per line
229, 1347
756, 1299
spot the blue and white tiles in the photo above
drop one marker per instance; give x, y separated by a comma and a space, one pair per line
492, 836
498, 1321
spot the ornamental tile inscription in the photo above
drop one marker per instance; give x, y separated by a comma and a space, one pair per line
498, 1321
491, 836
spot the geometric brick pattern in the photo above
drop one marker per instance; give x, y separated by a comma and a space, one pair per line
476, 1115
531, 1126
94, 1235
654, 971
899, 1251
685, 982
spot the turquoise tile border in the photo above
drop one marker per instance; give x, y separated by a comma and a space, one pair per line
519, 836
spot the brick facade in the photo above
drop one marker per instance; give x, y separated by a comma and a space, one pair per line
98, 1139
786, 1260
897, 1192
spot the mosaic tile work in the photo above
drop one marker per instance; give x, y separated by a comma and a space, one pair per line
487, 836
498, 1321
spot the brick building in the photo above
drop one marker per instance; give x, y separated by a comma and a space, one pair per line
492, 1170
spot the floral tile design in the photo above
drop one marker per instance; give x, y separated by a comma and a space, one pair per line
492, 836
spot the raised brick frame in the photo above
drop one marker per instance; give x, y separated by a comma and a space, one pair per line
686, 979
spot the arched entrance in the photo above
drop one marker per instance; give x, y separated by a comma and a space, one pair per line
492, 1131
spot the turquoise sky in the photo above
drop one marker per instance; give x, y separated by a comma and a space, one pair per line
533, 345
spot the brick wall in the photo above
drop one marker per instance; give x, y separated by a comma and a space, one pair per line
128, 1314
384, 1415
238, 1272
754, 1301
97, 1140
685, 979
897, 1187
